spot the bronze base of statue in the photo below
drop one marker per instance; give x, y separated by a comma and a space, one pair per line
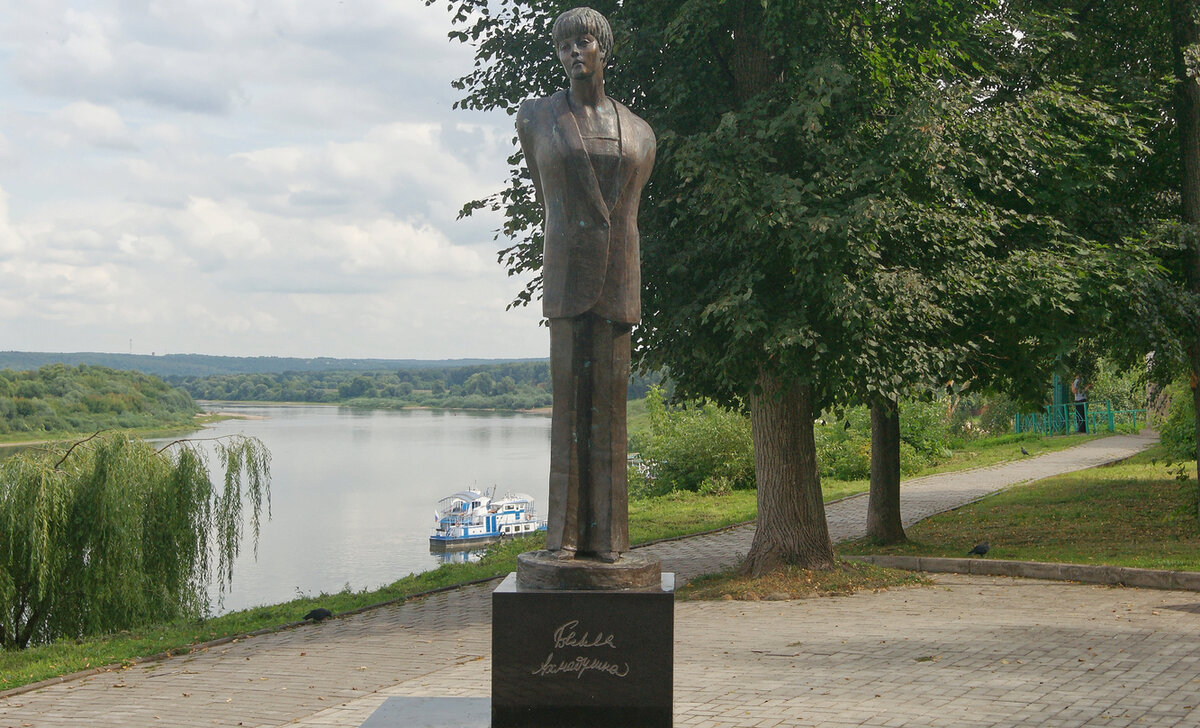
546, 570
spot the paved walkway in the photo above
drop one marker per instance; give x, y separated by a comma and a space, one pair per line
974, 651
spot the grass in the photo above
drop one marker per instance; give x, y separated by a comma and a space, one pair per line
682, 512
21, 439
1139, 513
1003, 448
797, 583
669, 516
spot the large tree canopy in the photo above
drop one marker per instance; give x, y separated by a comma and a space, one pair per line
849, 203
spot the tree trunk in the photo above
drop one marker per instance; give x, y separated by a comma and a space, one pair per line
791, 514
883, 508
1185, 35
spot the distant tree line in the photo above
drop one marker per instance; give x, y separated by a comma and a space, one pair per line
508, 386
198, 365
60, 398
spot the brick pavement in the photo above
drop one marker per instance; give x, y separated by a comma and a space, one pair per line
975, 651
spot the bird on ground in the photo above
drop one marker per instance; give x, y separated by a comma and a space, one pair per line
318, 614
1024, 451
980, 549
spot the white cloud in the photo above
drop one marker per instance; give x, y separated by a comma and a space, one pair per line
11, 242
240, 177
93, 124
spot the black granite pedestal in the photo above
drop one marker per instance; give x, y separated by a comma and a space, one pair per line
582, 658
564, 659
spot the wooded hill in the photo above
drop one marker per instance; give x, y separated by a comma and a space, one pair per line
60, 399
197, 365
510, 386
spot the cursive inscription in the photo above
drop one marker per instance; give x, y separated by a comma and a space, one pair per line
568, 635
579, 666
565, 636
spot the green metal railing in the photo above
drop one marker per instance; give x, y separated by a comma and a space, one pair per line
1063, 419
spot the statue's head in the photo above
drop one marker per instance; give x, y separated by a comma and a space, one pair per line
584, 20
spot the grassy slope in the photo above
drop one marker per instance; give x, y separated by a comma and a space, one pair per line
669, 516
1135, 513
20, 439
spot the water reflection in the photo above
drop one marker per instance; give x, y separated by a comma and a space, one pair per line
469, 556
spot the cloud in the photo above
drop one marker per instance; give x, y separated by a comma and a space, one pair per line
11, 242
242, 177
92, 124
315, 62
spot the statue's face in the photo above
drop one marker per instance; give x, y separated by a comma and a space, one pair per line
581, 56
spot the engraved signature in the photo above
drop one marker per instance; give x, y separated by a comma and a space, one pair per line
565, 636
579, 666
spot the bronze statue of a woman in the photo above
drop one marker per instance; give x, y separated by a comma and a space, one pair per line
589, 157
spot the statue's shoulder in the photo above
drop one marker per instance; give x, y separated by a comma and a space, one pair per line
639, 126
531, 110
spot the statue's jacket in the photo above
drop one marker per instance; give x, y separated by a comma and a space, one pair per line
591, 261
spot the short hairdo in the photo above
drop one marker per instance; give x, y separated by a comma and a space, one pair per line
584, 20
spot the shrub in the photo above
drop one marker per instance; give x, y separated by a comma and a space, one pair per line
1178, 433
1125, 389
688, 447
997, 415
844, 453
925, 427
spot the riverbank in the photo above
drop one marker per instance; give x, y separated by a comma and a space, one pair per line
153, 432
338, 672
664, 520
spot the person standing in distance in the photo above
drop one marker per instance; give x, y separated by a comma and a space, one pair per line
1081, 396
589, 158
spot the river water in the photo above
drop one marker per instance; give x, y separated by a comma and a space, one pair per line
353, 492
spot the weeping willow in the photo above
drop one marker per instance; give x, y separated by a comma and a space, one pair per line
111, 533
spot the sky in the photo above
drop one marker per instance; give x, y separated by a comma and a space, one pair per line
248, 178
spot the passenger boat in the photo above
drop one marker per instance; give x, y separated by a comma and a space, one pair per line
473, 518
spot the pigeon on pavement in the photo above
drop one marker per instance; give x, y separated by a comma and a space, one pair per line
318, 614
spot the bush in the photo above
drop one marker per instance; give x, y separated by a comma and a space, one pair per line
701, 446
1125, 389
844, 453
998, 413
1178, 434
925, 427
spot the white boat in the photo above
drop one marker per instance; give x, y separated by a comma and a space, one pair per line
471, 518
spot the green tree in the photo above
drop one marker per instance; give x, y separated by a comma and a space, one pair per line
1185, 51
110, 533
829, 201
1145, 56
479, 383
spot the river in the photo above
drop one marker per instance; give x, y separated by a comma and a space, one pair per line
353, 491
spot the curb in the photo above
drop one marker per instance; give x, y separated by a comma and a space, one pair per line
1085, 573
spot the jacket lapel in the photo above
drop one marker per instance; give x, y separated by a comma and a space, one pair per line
577, 161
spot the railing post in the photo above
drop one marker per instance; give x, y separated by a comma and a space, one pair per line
1017, 423
1112, 423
